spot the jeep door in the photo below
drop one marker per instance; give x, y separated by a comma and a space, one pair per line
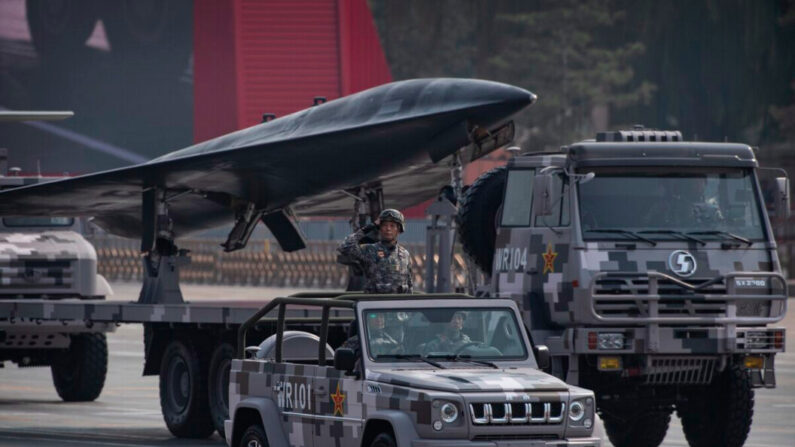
293, 389
339, 415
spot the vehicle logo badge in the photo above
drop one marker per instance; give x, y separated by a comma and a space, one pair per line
682, 263
338, 399
549, 260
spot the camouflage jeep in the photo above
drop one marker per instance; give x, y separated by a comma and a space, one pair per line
417, 370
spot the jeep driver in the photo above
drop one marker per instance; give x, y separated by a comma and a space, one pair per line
484, 390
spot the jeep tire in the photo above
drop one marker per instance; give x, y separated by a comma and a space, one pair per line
183, 391
218, 386
721, 415
383, 440
477, 217
254, 436
78, 373
637, 428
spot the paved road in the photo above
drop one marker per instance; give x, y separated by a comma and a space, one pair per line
128, 412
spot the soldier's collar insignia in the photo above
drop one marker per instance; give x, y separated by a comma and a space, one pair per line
338, 399
549, 260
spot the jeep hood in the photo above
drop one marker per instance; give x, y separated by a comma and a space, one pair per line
467, 380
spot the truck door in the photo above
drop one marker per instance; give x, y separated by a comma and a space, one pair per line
551, 289
339, 408
531, 251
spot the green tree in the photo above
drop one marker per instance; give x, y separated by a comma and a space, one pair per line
560, 49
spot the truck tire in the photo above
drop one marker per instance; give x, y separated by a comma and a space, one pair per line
636, 429
254, 436
60, 28
183, 391
477, 217
722, 415
218, 386
78, 373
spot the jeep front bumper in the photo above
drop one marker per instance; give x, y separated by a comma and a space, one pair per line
575, 442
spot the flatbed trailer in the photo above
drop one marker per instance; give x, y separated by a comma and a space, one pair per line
190, 345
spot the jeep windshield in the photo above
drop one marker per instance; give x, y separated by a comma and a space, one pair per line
476, 336
693, 205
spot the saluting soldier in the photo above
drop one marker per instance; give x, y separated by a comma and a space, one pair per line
386, 264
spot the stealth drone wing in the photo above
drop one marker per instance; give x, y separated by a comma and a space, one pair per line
373, 136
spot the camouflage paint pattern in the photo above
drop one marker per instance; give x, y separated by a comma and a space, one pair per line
56, 263
387, 268
333, 408
567, 288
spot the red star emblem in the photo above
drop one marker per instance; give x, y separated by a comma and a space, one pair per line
338, 399
549, 259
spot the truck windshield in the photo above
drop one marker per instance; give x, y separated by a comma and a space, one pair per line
443, 334
666, 204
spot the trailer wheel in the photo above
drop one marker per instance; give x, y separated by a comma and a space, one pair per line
218, 387
477, 226
183, 396
721, 415
78, 373
643, 429
254, 436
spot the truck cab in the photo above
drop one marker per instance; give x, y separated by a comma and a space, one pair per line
648, 266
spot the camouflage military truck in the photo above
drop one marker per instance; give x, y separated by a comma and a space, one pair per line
648, 267
417, 370
47, 258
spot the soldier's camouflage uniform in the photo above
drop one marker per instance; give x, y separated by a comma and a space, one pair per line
387, 267
447, 343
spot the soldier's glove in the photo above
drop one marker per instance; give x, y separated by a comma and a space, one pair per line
370, 234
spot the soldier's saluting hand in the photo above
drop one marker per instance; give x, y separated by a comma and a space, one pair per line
386, 264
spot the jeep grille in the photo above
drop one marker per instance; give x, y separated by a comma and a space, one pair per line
496, 413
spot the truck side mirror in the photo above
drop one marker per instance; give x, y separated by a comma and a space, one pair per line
344, 359
542, 194
781, 196
542, 357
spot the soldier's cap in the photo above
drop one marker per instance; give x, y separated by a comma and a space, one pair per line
392, 215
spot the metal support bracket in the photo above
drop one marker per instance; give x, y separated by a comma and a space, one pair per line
162, 259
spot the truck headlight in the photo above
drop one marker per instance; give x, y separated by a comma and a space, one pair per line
449, 413
576, 411
610, 341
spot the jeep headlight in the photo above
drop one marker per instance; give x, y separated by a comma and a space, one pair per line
581, 413
576, 411
449, 413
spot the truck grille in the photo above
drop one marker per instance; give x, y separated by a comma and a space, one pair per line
676, 301
22, 274
496, 413
640, 286
686, 370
